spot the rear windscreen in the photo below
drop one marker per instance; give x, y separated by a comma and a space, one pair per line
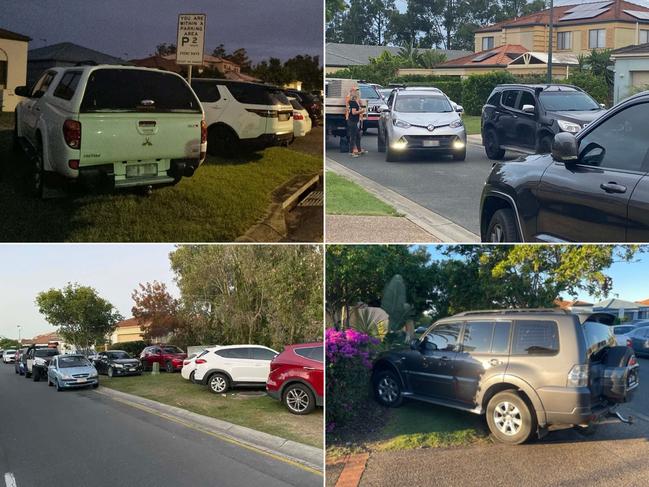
598, 337
135, 90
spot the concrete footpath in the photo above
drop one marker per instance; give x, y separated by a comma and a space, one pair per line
307, 455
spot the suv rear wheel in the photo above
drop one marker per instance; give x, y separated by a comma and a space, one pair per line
218, 383
492, 145
299, 399
502, 227
387, 389
510, 419
222, 141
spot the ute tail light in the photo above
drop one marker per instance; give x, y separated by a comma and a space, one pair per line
72, 133
632, 361
73, 163
578, 376
298, 116
629, 343
203, 138
200, 361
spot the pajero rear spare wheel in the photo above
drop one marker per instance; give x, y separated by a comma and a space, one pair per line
621, 374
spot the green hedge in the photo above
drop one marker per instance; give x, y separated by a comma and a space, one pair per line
477, 88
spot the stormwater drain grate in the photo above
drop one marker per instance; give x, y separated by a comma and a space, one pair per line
314, 198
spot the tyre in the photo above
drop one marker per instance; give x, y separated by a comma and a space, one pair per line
299, 399
38, 169
222, 141
49, 382
460, 156
94, 386
191, 376
218, 383
27, 374
36, 375
110, 372
58, 386
387, 389
144, 367
15, 139
169, 367
545, 144
380, 142
510, 418
502, 227
343, 144
492, 146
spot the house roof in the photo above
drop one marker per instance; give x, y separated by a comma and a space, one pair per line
614, 303
542, 58
359, 55
568, 304
639, 49
158, 62
644, 302
617, 11
14, 36
128, 322
52, 336
498, 56
72, 53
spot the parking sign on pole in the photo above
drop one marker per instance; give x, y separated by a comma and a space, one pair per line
191, 38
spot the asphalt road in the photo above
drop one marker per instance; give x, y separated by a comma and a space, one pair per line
81, 438
617, 454
451, 189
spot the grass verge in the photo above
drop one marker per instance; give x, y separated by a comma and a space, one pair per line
472, 124
347, 198
242, 407
219, 203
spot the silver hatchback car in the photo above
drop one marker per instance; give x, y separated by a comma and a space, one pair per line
421, 120
71, 371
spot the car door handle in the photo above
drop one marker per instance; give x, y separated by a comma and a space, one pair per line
495, 362
613, 187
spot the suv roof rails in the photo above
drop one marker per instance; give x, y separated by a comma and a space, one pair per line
87, 63
513, 311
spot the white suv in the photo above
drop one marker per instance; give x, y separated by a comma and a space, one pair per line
228, 366
242, 115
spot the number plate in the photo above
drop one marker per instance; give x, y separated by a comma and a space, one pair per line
430, 143
81, 380
283, 117
140, 170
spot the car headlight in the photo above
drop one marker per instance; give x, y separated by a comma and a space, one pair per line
571, 127
456, 124
93, 374
119, 366
66, 377
402, 123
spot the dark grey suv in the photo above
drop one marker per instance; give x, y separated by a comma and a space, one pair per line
526, 118
526, 370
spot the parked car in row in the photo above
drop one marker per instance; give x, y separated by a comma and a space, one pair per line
9, 356
189, 366
225, 367
71, 371
526, 118
69, 120
37, 360
525, 370
375, 105
241, 115
301, 121
593, 187
421, 120
638, 340
297, 377
169, 357
117, 363
310, 102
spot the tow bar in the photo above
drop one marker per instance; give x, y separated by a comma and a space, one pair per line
616, 414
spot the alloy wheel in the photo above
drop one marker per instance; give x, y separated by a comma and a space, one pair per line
217, 383
388, 389
507, 418
297, 400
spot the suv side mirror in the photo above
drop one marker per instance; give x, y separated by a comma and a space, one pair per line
565, 148
529, 108
22, 91
459, 108
384, 108
414, 344
602, 106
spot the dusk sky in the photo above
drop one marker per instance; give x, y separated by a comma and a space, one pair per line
132, 29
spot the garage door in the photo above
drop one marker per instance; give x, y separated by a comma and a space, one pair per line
640, 78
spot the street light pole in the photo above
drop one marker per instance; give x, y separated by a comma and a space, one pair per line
19, 327
550, 39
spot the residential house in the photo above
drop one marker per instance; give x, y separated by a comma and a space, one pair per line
63, 54
158, 62
342, 56
13, 67
625, 310
50, 338
573, 305
229, 69
631, 70
578, 27
127, 331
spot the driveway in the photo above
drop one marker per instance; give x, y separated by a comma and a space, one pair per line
79, 438
449, 188
617, 454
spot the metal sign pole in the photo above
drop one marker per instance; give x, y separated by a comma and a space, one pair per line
189, 75
549, 74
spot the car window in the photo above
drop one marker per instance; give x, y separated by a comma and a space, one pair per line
535, 337
500, 343
494, 99
68, 85
477, 336
206, 91
257, 94
621, 142
241, 353
444, 336
172, 350
422, 104
622, 330
139, 91
296, 105
598, 337
119, 355
568, 100
43, 84
369, 93
509, 98
526, 98
46, 352
261, 354
313, 353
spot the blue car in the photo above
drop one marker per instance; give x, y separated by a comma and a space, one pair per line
71, 371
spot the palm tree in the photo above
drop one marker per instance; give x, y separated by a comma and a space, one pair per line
409, 55
430, 58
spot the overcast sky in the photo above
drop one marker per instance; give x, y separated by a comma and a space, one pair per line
132, 29
113, 270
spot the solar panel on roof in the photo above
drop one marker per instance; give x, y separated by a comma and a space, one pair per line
638, 14
483, 56
584, 7
586, 14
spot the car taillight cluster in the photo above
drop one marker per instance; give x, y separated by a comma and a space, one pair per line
72, 133
629, 343
203, 131
200, 361
298, 116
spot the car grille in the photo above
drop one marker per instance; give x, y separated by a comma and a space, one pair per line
80, 376
417, 140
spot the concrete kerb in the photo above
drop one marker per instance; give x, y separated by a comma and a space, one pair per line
307, 455
435, 224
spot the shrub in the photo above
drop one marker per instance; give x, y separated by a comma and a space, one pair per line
477, 88
348, 375
595, 86
134, 348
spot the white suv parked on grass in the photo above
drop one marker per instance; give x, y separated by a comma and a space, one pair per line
229, 366
243, 115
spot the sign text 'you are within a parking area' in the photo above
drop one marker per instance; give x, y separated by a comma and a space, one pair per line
191, 37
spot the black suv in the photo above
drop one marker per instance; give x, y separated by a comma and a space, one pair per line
310, 102
526, 370
525, 118
594, 187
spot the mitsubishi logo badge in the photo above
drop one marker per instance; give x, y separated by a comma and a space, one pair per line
147, 141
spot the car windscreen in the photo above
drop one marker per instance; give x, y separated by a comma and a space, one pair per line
9, 351
369, 93
296, 105
118, 355
422, 104
257, 94
622, 330
74, 361
46, 352
567, 101
598, 337
134, 90
172, 350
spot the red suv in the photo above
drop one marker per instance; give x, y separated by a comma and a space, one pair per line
169, 357
296, 377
